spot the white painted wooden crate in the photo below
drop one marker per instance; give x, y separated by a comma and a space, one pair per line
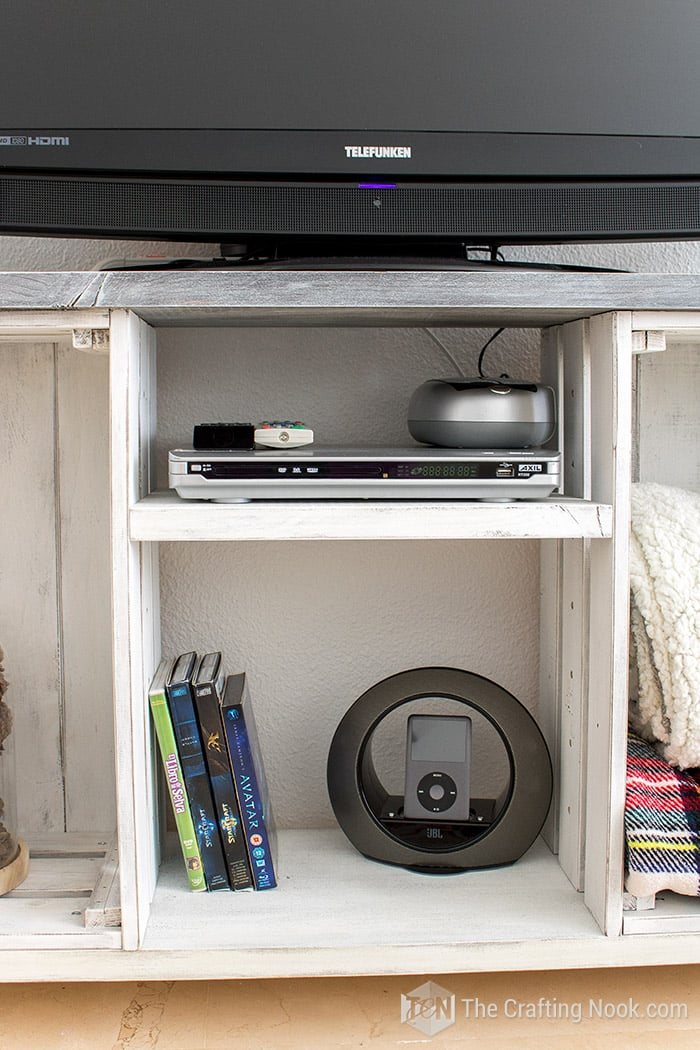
562, 904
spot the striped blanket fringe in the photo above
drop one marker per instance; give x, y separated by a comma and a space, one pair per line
662, 824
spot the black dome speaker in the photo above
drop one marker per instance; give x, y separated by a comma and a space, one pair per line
492, 832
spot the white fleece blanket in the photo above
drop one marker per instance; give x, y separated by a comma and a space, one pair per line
665, 620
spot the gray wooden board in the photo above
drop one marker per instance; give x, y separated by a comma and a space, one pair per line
331, 297
49, 291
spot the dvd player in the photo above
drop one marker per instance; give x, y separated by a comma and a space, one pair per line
364, 473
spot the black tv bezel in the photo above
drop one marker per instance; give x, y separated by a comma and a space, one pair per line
64, 182
241, 153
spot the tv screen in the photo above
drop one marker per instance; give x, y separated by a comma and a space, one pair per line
507, 121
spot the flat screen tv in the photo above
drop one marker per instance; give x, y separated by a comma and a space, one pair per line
487, 122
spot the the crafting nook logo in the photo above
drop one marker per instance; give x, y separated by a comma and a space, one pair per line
428, 1008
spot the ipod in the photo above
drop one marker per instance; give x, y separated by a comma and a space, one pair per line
438, 764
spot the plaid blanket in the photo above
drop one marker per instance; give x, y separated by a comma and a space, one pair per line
662, 824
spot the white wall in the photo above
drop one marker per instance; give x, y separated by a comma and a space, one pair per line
315, 624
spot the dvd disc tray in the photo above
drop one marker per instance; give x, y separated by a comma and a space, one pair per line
312, 472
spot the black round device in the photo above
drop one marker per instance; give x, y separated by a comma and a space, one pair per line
437, 826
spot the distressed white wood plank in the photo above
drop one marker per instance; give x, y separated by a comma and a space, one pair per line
569, 370
85, 965
120, 406
550, 651
530, 899
471, 297
59, 877
132, 417
104, 906
54, 290
674, 322
611, 423
74, 844
242, 296
150, 807
164, 516
151, 641
549, 707
323, 961
573, 698
57, 926
552, 373
576, 409
28, 581
85, 575
49, 324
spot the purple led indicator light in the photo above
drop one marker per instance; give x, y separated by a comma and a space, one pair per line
376, 186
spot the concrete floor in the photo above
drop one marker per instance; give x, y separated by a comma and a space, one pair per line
657, 1008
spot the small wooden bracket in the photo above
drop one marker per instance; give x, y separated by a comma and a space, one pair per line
91, 340
632, 903
648, 342
104, 908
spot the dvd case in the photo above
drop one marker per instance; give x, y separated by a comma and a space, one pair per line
160, 713
249, 776
189, 745
208, 686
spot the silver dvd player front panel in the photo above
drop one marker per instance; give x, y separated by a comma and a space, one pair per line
361, 473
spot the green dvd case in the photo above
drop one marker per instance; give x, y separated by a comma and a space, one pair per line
160, 713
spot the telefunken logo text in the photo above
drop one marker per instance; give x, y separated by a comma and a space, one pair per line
34, 140
378, 152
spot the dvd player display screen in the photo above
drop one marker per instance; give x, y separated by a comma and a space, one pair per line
261, 470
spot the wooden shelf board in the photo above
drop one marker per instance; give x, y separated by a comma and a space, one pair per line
164, 516
338, 913
337, 297
330, 896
